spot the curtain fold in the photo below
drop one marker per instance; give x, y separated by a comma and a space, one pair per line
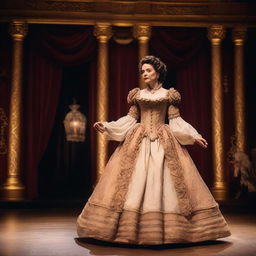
43, 90
5, 89
50, 48
66, 46
123, 76
177, 46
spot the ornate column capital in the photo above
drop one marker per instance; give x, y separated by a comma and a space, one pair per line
18, 30
216, 33
142, 32
239, 35
103, 32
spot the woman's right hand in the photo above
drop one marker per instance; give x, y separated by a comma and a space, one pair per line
99, 127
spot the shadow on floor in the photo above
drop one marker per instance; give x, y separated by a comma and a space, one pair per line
97, 247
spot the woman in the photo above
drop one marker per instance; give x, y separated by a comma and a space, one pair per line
151, 192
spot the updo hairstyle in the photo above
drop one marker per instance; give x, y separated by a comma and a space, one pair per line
157, 64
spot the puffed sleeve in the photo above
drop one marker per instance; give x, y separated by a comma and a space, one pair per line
117, 130
183, 131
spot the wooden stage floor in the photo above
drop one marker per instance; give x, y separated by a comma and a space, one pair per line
52, 232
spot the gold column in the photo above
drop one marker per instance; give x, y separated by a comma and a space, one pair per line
239, 36
103, 32
13, 188
216, 33
142, 33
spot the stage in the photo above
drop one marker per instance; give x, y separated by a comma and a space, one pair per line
52, 231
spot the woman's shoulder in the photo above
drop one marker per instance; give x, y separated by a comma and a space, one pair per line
132, 95
174, 96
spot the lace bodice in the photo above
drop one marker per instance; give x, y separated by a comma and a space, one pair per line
152, 111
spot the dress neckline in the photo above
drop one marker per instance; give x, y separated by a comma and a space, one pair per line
156, 97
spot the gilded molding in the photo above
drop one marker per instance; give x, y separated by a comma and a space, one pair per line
120, 7
65, 5
3, 124
158, 13
167, 9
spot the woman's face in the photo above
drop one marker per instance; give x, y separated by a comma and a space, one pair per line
149, 74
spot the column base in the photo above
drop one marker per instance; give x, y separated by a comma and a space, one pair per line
12, 190
220, 191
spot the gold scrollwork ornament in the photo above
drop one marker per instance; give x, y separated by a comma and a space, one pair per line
18, 29
103, 32
142, 31
216, 33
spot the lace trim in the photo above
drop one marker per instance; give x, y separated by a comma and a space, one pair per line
173, 112
167, 141
127, 165
134, 112
173, 97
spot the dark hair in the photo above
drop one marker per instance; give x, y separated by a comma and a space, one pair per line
157, 64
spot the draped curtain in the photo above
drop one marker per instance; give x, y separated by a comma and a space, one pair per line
5, 82
250, 90
50, 48
186, 51
123, 76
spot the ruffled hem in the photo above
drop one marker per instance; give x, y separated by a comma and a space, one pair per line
150, 228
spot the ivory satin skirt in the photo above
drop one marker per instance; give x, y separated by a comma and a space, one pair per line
151, 193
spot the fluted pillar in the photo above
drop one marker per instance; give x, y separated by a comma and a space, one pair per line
143, 33
239, 36
103, 32
13, 188
216, 33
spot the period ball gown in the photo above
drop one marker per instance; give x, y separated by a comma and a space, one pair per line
151, 192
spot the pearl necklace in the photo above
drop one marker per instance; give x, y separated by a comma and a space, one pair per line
153, 90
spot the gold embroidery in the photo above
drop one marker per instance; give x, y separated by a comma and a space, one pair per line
167, 141
173, 112
130, 148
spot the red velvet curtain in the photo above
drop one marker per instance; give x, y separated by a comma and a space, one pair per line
50, 48
5, 85
123, 76
186, 51
250, 91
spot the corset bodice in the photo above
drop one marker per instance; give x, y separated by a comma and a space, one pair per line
152, 115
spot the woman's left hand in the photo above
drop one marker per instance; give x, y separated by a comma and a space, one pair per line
201, 142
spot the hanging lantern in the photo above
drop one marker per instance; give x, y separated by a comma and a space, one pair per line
75, 124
